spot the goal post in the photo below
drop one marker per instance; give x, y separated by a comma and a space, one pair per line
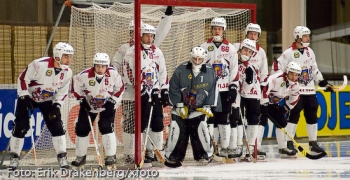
105, 27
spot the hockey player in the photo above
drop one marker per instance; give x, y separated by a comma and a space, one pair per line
44, 84
128, 105
259, 60
249, 89
99, 88
192, 86
222, 56
280, 93
154, 87
310, 74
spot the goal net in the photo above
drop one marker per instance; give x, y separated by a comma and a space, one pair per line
99, 29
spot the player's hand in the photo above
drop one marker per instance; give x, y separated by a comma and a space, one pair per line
329, 87
85, 105
55, 113
110, 103
155, 97
165, 97
169, 11
232, 90
284, 109
249, 75
144, 94
25, 102
264, 108
181, 110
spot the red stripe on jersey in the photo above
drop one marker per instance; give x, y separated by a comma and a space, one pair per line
21, 78
295, 102
275, 65
237, 77
117, 94
33, 83
264, 90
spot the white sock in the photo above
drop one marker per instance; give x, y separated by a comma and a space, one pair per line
233, 138
312, 131
16, 145
110, 144
59, 143
81, 145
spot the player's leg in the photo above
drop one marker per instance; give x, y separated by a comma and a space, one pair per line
55, 126
293, 120
274, 112
223, 121
252, 107
156, 130
200, 139
261, 128
20, 128
128, 108
177, 141
106, 127
145, 113
233, 150
310, 113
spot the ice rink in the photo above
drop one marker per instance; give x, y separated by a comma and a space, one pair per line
336, 165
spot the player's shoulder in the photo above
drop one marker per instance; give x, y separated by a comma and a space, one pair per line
44, 61
112, 71
260, 49
86, 71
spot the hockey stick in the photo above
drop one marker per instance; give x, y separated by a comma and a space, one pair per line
145, 143
36, 162
156, 151
339, 88
318, 156
103, 153
246, 138
95, 142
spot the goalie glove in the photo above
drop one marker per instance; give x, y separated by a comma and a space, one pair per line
329, 87
181, 110
206, 109
165, 97
232, 90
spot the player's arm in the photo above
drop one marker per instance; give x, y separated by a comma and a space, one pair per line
266, 87
174, 88
164, 26
76, 87
129, 69
62, 92
280, 64
293, 97
117, 60
163, 75
264, 71
24, 78
118, 88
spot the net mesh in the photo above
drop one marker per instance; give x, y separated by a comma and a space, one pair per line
97, 29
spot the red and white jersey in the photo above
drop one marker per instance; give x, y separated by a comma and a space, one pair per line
276, 87
309, 69
249, 90
153, 69
224, 60
40, 81
259, 60
96, 93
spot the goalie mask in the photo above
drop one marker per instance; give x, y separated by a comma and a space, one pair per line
299, 31
198, 57
221, 22
101, 59
294, 68
147, 29
249, 44
59, 50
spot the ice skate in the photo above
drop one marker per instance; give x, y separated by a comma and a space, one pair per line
260, 155
223, 152
290, 145
286, 153
148, 159
79, 162
14, 161
235, 153
62, 160
249, 156
110, 162
315, 148
172, 163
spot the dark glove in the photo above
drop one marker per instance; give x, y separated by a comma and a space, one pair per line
155, 97
165, 97
110, 104
144, 94
264, 108
85, 105
169, 11
329, 87
249, 75
232, 91
25, 102
55, 113
284, 109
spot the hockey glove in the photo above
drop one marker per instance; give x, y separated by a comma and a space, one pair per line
264, 108
165, 97
25, 102
169, 11
249, 75
85, 105
206, 109
284, 109
55, 113
110, 103
144, 94
155, 97
181, 110
232, 90
329, 87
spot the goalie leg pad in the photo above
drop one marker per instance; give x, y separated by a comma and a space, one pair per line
16, 145
200, 138
110, 144
59, 143
106, 122
81, 145
177, 139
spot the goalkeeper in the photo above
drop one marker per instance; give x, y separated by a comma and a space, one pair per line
192, 92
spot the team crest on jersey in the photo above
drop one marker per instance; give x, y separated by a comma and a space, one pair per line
92, 82
296, 55
219, 69
46, 93
305, 76
98, 101
144, 55
48, 72
149, 79
191, 99
283, 84
189, 76
210, 48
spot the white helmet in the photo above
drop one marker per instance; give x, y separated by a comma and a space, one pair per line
132, 25
147, 28
293, 67
60, 49
253, 27
218, 22
299, 31
199, 52
101, 58
250, 44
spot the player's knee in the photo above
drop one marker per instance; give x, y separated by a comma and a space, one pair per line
283, 123
20, 130
263, 120
221, 118
55, 127
105, 127
157, 124
82, 130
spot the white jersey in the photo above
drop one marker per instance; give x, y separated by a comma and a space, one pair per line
224, 60
153, 69
276, 88
42, 82
309, 70
246, 90
96, 93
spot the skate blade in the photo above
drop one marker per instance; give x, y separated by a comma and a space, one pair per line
230, 160
202, 163
78, 167
260, 157
284, 156
157, 164
220, 159
313, 153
